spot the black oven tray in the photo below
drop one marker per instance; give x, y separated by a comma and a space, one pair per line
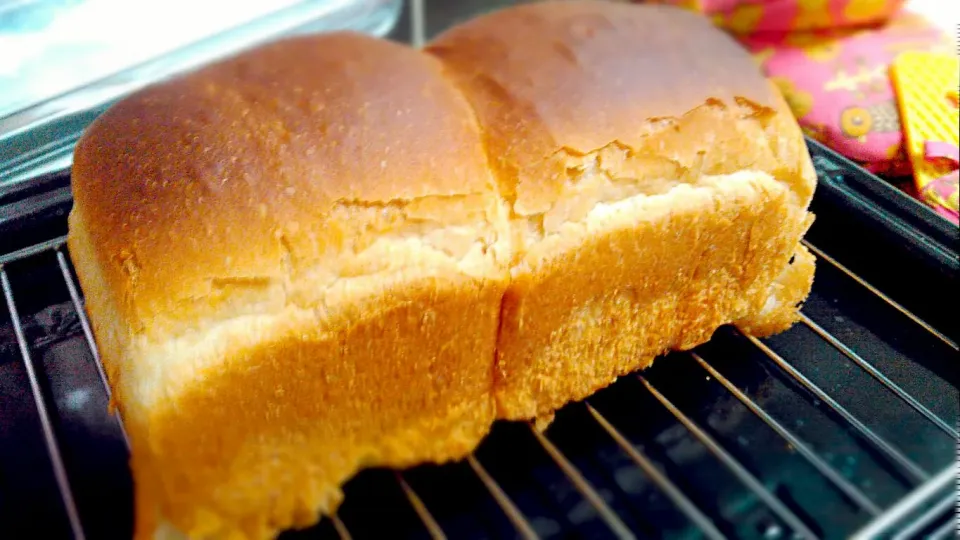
844, 425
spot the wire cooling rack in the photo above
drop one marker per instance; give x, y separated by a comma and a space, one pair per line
655, 425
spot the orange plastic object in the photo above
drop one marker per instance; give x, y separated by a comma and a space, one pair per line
926, 86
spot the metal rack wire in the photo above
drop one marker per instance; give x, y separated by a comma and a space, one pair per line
927, 485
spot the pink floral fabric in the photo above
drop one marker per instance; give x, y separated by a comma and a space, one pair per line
838, 85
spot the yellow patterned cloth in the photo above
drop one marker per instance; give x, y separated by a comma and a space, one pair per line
926, 86
751, 16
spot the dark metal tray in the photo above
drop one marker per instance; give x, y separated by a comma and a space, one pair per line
844, 426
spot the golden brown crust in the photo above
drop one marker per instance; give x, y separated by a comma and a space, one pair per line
290, 407
658, 178
697, 259
267, 442
214, 182
299, 262
572, 77
289, 269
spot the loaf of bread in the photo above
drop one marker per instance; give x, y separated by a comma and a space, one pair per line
657, 184
336, 252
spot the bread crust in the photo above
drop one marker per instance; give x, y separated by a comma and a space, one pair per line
253, 171
290, 274
660, 276
268, 442
337, 252
558, 81
660, 192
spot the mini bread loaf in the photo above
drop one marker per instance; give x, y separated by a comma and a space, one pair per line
658, 188
292, 265
336, 252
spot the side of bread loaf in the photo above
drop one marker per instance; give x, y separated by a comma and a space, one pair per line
290, 264
657, 179
335, 252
